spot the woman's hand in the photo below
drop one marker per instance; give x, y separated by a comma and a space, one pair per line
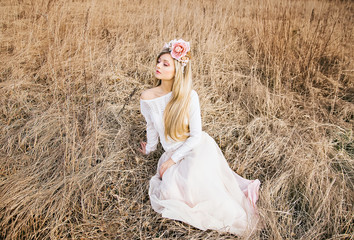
165, 166
143, 148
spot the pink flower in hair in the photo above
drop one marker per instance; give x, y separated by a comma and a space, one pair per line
179, 49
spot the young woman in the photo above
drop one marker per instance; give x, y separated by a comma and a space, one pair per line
193, 182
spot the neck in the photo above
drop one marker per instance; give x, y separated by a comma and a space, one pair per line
166, 85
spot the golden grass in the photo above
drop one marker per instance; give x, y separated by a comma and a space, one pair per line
275, 80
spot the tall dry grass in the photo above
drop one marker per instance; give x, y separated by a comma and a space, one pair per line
275, 80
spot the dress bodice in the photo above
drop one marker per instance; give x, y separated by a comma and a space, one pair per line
153, 111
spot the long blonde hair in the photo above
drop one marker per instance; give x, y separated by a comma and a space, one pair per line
176, 114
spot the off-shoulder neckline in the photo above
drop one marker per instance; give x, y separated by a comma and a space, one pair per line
149, 100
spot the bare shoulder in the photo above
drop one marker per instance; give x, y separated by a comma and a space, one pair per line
149, 94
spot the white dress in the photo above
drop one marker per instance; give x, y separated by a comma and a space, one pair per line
200, 189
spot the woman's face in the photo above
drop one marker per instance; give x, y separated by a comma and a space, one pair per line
165, 67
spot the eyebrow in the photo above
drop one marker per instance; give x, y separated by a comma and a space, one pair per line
165, 60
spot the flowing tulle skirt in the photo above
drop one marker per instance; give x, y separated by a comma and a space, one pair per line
203, 191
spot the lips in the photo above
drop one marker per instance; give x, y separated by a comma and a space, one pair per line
158, 72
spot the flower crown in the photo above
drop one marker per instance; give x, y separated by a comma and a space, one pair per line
180, 50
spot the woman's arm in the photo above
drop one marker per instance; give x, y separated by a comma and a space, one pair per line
195, 128
151, 133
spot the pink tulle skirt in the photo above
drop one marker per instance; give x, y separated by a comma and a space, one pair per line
203, 191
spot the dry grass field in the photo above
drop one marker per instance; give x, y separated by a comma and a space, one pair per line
275, 81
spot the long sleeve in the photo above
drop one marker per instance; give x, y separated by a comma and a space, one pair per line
151, 133
195, 128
